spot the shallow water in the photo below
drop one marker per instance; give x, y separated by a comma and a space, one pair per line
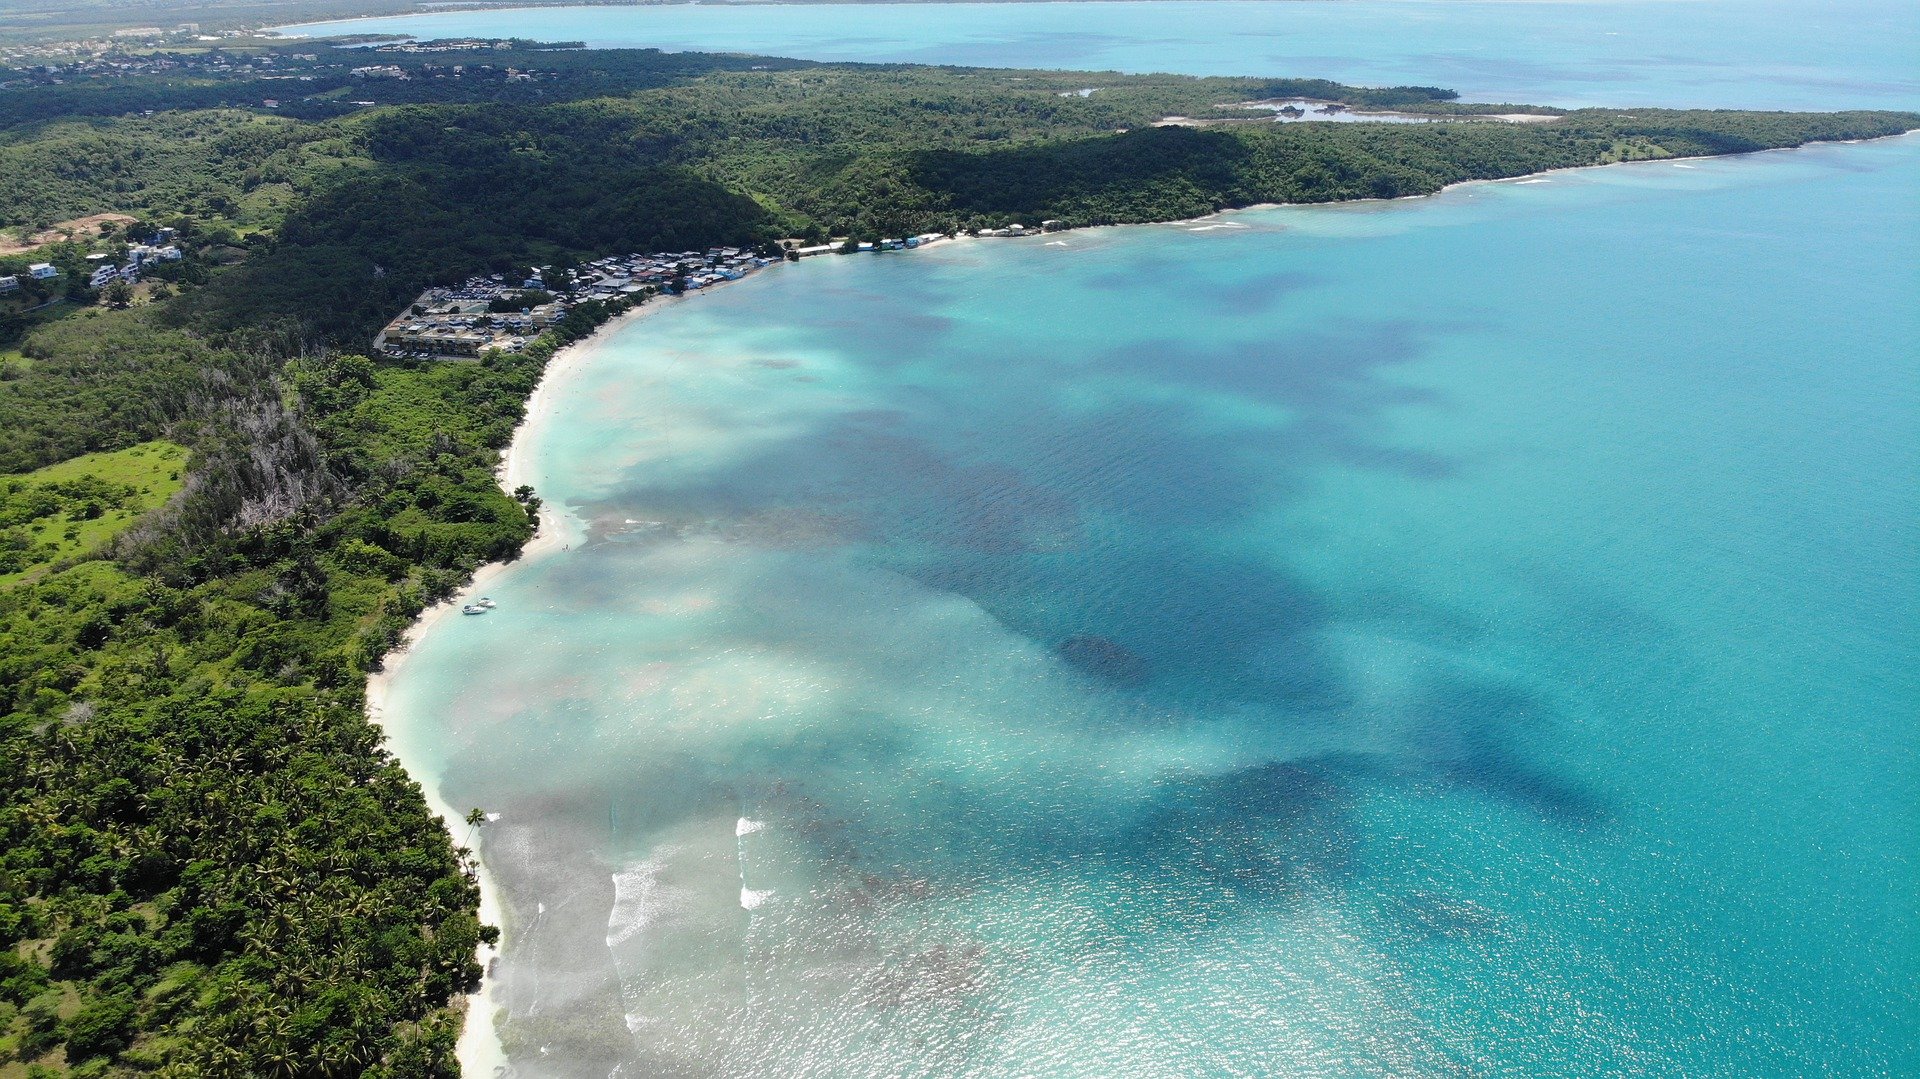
1784, 54
1458, 636
1470, 635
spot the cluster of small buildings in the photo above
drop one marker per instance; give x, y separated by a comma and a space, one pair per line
442, 71
39, 271
461, 321
798, 250
158, 31
667, 271
485, 313
54, 65
466, 320
255, 60
1022, 230
464, 44
140, 257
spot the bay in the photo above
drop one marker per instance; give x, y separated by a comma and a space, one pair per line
1466, 635
1470, 634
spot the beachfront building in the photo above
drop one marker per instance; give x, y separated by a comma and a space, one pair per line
498, 311
440, 340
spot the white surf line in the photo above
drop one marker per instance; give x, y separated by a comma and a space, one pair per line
750, 899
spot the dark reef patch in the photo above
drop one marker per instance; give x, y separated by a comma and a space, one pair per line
1105, 658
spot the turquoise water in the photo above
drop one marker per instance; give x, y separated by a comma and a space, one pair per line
1473, 635
1711, 53
1461, 636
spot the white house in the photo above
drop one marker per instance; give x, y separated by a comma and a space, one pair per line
42, 271
9, 284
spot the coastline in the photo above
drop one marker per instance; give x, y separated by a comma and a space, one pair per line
1520, 177
479, 1051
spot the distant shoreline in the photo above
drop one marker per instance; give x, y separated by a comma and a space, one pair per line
480, 1048
454, 7
1518, 177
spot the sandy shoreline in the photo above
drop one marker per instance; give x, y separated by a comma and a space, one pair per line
480, 1052
1249, 208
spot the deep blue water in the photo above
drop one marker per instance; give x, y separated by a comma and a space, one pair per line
1710, 53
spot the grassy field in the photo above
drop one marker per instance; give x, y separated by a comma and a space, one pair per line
72, 509
13, 362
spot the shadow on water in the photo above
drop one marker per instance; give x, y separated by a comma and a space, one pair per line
1242, 295
1248, 839
1099, 535
1096, 532
1103, 526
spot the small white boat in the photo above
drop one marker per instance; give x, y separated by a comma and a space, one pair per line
473, 608
486, 602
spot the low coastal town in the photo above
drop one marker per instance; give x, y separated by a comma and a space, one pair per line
134, 253
505, 312
181, 51
184, 51
498, 311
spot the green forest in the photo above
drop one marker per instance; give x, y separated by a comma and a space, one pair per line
218, 515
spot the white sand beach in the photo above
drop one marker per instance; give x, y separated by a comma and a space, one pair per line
480, 1052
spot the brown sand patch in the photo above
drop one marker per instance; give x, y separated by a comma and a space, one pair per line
86, 227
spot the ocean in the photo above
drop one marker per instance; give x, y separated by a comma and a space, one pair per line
1470, 635
1748, 54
